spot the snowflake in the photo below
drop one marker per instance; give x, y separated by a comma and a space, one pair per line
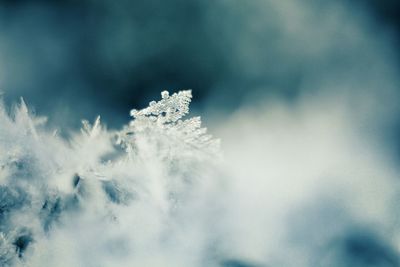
162, 121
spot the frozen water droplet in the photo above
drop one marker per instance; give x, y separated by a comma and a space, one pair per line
133, 112
164, 94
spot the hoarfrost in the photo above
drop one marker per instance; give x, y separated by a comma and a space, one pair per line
49, 185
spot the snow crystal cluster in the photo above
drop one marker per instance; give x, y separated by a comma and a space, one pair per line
103, 198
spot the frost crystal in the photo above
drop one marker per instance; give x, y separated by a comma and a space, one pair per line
163, 119
53, 189
168, 110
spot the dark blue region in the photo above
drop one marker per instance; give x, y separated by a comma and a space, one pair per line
22, 242
237, 263
366, 250
360, 248
96, 57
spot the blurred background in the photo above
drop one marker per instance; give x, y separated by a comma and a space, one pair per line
74, 59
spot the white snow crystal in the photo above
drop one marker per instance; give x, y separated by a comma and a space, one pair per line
52, 189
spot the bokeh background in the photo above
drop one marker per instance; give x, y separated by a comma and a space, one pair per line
75, 59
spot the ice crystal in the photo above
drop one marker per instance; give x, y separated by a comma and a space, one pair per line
165, 119
48, 184
168, 110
